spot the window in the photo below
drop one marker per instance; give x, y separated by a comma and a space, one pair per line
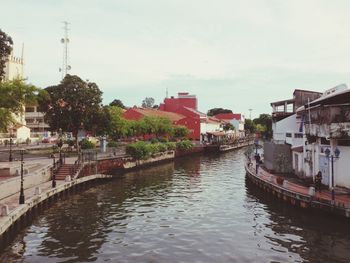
343, 142
298, 135
288, 134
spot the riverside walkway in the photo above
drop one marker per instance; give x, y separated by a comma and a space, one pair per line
290, 190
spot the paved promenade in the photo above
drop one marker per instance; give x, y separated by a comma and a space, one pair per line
342, 196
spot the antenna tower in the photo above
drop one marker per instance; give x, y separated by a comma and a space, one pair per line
65, 40
250, 113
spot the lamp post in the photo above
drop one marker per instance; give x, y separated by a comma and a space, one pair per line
332, 156
53, 167
21, 195
10, 157
60, 144
256, 143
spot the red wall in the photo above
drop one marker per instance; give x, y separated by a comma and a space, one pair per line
193, 125
173, 104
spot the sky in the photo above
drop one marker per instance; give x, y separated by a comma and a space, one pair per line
232, 54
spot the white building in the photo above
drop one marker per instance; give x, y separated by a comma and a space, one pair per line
288, 130
327, 129
14, 67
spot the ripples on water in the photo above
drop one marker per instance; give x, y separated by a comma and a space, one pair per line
198, 209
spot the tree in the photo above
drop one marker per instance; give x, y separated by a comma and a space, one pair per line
265, 122
180, 131
116, 126
71, 105
216, 111
14, 95
228, 127
249, 125
117, 103
148, 102
5, 50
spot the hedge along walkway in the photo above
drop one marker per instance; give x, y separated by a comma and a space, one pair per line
342, 199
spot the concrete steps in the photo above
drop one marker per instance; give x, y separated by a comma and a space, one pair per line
63, 171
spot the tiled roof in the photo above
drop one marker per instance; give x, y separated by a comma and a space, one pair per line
201, 114
159, 113
228, 116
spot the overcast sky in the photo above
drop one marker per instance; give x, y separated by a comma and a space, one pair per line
232, 54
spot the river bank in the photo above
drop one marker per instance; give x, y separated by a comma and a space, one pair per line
296, 194
12, 215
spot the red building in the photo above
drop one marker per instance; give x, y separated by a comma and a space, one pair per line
191, 124
197, 122
183, 100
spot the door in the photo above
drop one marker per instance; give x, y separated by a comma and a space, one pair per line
324, 168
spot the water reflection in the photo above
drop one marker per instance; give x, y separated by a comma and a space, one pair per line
313, 235
197, 209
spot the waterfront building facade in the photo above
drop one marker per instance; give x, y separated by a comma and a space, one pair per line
236, 119
327, 140
197, 122
285, 152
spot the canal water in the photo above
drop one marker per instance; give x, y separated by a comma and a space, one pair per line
197, 209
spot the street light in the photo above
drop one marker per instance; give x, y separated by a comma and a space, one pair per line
10, 157
257, 160
53, 167
332, 157
21, 195
60, 144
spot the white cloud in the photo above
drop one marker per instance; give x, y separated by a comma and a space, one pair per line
140, 45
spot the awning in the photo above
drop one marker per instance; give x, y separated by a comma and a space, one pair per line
298, 149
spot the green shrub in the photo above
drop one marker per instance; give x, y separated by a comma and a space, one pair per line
85, 144
163, 139
154, 140
139, 150
112, 144
70, 143
171, 146
184, 145
143, 150
153, 148
162, 147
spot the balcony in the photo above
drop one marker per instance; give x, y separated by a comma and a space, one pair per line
329, 121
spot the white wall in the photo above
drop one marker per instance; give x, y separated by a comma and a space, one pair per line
23, 133
290, 125
341, 165
209, 127
298, 163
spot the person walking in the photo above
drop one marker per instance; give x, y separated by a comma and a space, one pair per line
318, 181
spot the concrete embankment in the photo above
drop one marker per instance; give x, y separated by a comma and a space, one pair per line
37, 199
298, 195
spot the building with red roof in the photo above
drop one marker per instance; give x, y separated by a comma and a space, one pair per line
200, 124
236, 119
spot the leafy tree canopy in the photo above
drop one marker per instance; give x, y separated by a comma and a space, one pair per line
216, 111
117, 103
71, 105
228, 127
249, 126
264, 125
14, 95
148, 102
5, 50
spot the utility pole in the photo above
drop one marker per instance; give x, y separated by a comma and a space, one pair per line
250, 113
65, 40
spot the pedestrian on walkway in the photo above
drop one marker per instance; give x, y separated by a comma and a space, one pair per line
318, 181
257, 163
